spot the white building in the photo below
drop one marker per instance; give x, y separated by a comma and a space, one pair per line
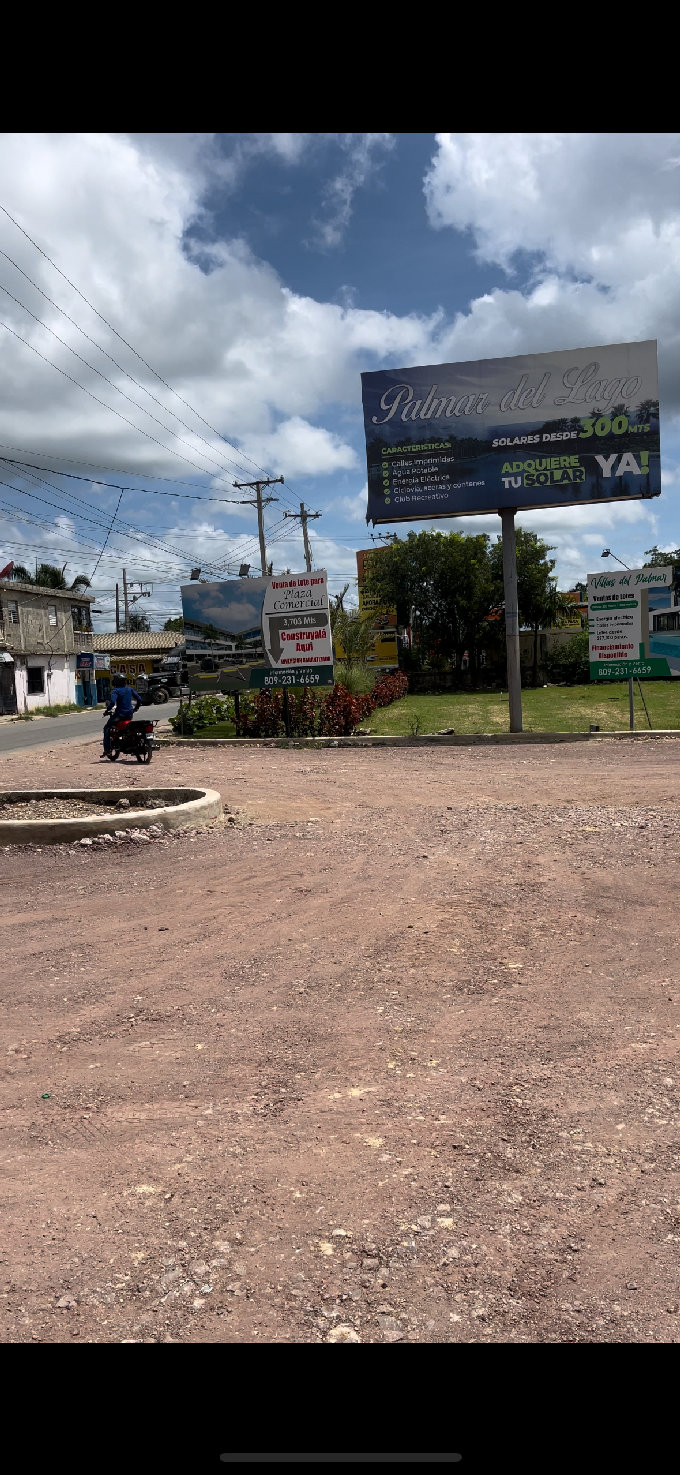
42, 631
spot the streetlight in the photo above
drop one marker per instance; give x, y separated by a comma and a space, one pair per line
607, 553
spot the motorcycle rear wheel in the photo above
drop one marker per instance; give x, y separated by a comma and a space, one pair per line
113, 754
144, 757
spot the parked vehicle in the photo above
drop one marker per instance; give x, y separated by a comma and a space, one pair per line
158, 687
135, 737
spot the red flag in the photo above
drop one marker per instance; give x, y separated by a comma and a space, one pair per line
5, 572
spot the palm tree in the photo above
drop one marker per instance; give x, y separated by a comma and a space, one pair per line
50, 576
354, 634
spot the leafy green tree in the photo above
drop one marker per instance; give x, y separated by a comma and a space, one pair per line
354, 632
139, 624
176, 624
570, 662
656, 558
442, 586
540, 604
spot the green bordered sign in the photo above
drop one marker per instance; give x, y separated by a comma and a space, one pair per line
618, 624
296, 676
653, 669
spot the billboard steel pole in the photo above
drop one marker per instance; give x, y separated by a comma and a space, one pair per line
511, 617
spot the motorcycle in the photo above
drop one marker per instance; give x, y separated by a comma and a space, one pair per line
135, 738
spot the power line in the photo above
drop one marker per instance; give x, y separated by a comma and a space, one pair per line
78, 461
136, 534
108, 535
30, 467
96, 481
128, 530
123, 340
110, 357
168, 449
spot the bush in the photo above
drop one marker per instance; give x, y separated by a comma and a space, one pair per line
366, 705
269, 714
356, 679
339, 713
261, 715
390, 689
302, 713
202, 713
569, 662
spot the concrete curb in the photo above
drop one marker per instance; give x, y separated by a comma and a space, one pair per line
191, 806
384, 741
464, 740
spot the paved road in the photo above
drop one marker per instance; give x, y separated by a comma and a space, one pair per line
81, 725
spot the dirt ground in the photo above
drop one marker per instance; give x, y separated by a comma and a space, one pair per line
394, 1058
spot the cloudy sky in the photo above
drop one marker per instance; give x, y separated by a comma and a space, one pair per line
191, 308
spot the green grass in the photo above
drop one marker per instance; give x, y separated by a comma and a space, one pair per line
216, 730
553, 709
549, 709
59, 709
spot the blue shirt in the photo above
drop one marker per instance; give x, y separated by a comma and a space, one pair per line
120, 701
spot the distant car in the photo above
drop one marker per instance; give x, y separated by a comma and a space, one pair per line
159, 687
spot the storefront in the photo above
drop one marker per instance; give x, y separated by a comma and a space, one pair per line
92, 679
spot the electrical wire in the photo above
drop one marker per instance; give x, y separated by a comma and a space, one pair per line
108, 535
169, 428
168, 449
96, 481
127, 344
129, 530
109, 356
28, 470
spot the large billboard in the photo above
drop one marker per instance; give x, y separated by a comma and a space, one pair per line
542, 430
258, 633
618, 623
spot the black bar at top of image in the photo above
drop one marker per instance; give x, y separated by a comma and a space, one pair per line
340, 1459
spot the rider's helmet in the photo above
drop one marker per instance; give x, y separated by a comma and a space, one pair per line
119, 679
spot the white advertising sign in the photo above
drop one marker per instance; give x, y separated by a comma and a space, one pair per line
618, 622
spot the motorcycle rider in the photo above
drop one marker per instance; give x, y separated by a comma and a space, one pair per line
120, 704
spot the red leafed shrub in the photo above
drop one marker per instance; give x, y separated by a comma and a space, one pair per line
302, 713
339, 713
269, 710
390, 688
366, 705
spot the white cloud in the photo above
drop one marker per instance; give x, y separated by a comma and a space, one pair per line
353, 508
113, 212
364, 154
297, 448
600, 212
605, 204
266, 365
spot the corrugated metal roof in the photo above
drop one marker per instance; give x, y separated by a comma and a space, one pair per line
120, 642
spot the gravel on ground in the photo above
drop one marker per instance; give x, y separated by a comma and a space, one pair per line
391, 1057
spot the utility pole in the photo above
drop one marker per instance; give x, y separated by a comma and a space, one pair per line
117, 611
304, 517
260, 503
126, 605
